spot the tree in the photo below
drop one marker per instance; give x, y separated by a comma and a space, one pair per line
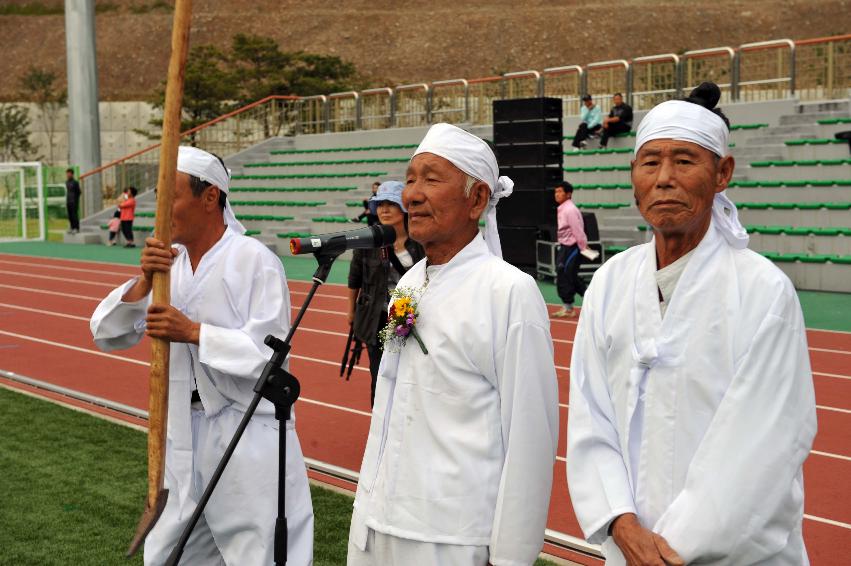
258, 67
39, 86
15, 133
208, 88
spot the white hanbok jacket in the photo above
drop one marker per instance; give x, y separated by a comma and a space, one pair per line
462, 441
699, 422
239, 295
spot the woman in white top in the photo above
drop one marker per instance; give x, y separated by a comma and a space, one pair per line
374, 273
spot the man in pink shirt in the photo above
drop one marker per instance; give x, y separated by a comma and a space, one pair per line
572, 240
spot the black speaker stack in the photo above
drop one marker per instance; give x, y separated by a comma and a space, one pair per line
527, 137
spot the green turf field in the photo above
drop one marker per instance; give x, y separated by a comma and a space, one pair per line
73, 487
829, 311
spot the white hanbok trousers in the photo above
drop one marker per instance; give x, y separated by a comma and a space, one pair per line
235, 534
387, 550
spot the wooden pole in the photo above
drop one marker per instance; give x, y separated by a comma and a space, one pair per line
158, 396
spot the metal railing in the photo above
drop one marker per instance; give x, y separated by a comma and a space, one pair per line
605, 79
823, 68
450, 101
482, 93
811, 69
412, 105
343, 112
716, 64
765, 70
522, 84
227, 134
567, 83
376, 109
655, 79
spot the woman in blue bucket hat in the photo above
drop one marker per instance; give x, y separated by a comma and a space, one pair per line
374, 273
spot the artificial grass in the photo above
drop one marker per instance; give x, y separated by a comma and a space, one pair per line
73, 487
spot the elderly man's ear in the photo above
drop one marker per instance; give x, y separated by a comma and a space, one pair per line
724, 173
480, 195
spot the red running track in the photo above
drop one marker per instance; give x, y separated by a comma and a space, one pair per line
45, 305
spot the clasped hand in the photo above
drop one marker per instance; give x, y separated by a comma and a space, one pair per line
642, 547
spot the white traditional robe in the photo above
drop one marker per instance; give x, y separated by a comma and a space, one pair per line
698, 422
239, 295
462, 441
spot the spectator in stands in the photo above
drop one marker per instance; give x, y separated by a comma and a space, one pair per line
127, 206
114, 226
72, 201
374, 273
619, 120
571, 240
367, 212
459, 459
591, 122
691, 396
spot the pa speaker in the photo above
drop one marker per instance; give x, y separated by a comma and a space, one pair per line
527, 208
518, 245
539, 155
533, 178
526, 132
526, 109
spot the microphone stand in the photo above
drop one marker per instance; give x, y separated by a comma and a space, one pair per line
282, 389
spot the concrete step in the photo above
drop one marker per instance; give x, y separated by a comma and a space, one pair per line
840, 107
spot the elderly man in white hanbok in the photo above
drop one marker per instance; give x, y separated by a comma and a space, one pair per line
691, 397
459, 459
228, 292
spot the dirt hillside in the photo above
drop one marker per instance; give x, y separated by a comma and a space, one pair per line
404, 41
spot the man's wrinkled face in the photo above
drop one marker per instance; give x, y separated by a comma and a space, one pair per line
435, 200
675, 183
190, 214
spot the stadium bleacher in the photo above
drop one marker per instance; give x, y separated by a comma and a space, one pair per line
792, 184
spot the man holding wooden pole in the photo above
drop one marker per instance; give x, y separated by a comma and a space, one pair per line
228, 291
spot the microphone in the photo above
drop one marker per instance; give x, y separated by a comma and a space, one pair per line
377, 236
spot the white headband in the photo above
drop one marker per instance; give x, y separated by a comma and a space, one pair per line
474, 157
207, 167
686, 121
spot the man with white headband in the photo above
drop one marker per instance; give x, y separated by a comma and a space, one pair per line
228, 292
458, 463
691, 397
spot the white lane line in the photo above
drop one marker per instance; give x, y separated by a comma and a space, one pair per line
40, 311
835, 409
831, 455
294, 281
338, 407
830, 351
560, 368
61, 279
77, 269
293, 356
142, 363
55, 293
75, 348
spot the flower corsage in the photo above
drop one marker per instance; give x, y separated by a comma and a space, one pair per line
401, 320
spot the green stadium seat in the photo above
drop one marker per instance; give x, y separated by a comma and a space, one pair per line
320, 163
289, 189
342, 149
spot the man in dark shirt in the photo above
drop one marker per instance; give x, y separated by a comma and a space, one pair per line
619, 120
72, 201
